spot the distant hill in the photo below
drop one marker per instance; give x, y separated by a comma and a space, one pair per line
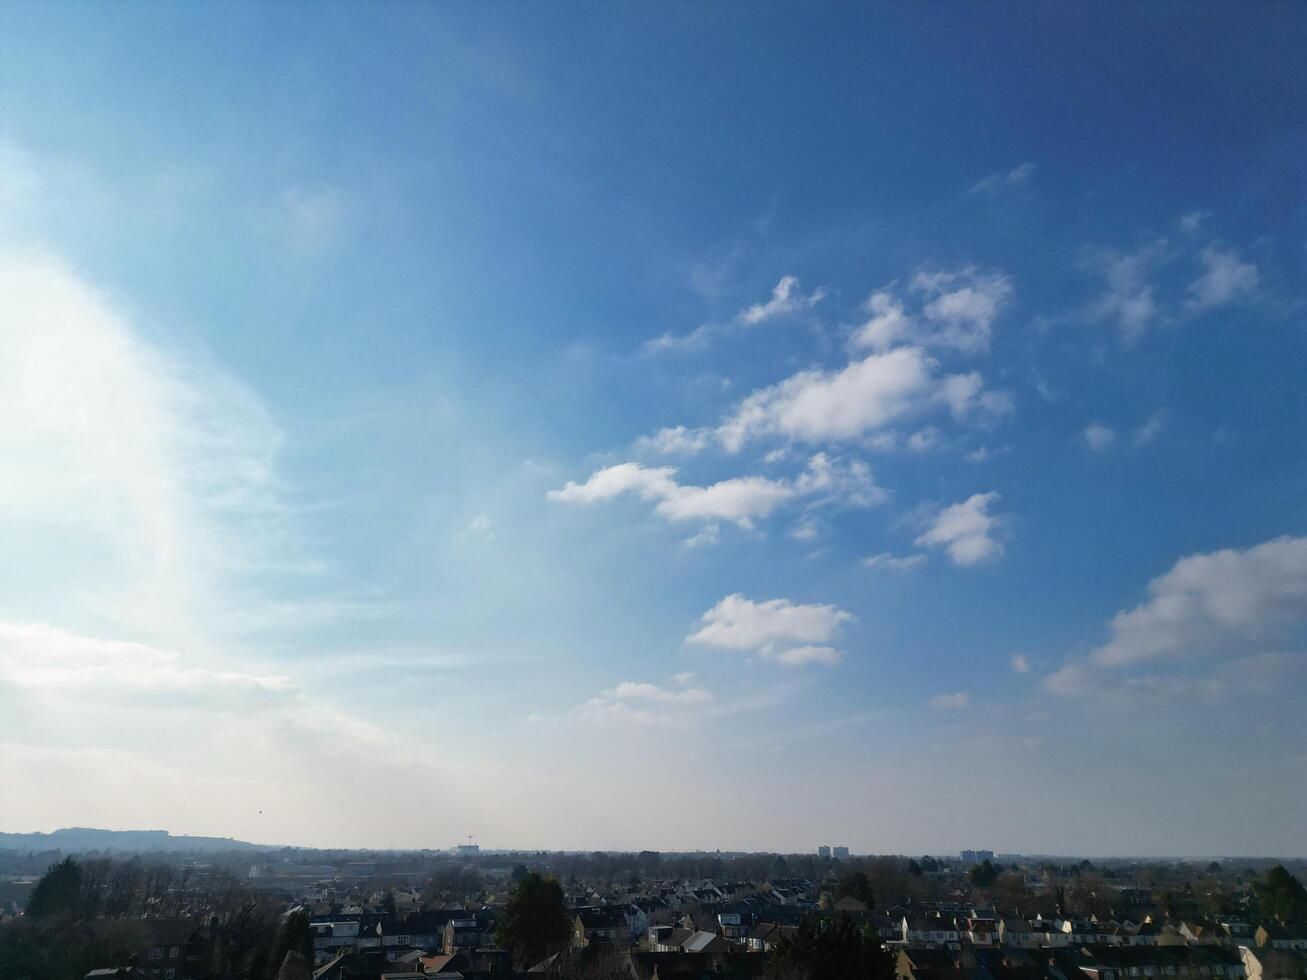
90, 839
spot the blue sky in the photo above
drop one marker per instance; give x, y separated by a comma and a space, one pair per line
673, 426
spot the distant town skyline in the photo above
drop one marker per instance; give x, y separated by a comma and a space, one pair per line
660, 426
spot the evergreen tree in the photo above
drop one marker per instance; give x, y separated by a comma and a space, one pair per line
294, 936
856, 884
836, 950
534, 923
1281, 895
58, 892
983, 875
295, 967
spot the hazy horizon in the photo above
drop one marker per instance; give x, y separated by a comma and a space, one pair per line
656, 424
492, 849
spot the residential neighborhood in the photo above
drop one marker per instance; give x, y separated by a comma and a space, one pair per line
465, 915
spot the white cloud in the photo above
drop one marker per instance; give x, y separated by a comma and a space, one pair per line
1150, 431
893, 563
961, 306
697, 339
819, 406
642, 703
924, 440
684, 677
958, 311
705, 537
675, 441
966, 531
995, 182
1257, 675
1129, 297
792, 633
839, 481
605, 711
1225, 276
1218, 605
481, 524
1192, 221
1020, 663
640, 691
786, 299
953, 701
888, 326
799, 656
1213, 601
807, 528
1098, 437
36, 657
739, 499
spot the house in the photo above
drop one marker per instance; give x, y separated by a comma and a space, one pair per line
600, 924
765, 935
850, 906
119, 973
734, 925
691, 941
1078, 931
1268, 963
695, 966
1203, 933
475, 929
1015, 931
1237, 931
178, 950
929, 931
886, 928
913, 959
978, 932
1276, 936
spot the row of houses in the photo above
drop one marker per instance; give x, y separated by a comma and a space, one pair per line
1099, 961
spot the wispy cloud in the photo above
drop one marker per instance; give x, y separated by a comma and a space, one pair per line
1098, 437
993, 183
1225, 277
787, 299
953, 701
893, 563
166, 465
1129, 299
1153, 428
642, 703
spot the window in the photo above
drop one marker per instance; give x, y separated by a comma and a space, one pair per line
156, 952
174, 952
169, 973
